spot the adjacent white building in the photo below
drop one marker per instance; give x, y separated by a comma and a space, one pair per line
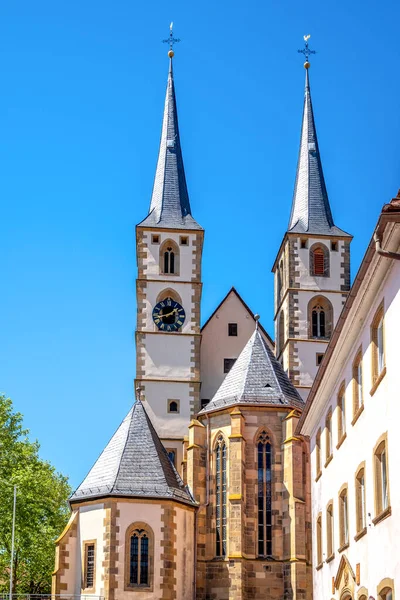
352, 420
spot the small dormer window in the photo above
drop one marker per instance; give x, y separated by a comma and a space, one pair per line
170, 143
312, 147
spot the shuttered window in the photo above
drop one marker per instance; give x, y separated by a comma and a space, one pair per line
318, 262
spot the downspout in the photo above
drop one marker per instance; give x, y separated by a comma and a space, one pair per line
378, 249
208, 463
195, 555
201, 506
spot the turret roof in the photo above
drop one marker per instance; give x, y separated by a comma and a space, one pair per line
256, 378
170, 206
311, 212
134, 464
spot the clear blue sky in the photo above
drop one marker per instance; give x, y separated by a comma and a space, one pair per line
82, 92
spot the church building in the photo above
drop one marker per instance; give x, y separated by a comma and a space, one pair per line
204, 490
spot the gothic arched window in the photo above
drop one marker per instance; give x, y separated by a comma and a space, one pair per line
281, 332
220, 496
169, 258
279, 278
320, 317
139, 551
319, 260
264, 494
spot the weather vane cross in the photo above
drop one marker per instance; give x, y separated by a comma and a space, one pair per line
306, 50
171, 40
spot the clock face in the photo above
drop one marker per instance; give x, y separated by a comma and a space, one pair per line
168, 315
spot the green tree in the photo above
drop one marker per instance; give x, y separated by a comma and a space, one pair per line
42, 507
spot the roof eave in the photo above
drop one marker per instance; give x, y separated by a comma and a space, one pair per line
73, 502
290, 406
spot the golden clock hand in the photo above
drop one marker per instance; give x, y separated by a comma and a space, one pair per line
170, 313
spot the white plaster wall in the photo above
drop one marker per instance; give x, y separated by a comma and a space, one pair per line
155, 395
186, 255
131, 512
308, 359
217, 345
185, 555
379, 550
185, 291
90, 527
308, 349
168, 355
304, 298
333, 282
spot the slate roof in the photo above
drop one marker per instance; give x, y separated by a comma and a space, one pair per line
256, 378
134, 464
170, 206
311, 212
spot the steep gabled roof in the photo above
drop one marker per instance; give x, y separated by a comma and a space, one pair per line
134, 464
255, 378
311, 212
239, 297
170, 206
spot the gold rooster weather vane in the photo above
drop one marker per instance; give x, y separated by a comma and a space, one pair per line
171, 40
306, 51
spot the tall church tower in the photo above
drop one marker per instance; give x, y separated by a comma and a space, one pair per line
169, 247
312, 268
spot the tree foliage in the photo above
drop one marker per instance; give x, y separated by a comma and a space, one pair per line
41, 511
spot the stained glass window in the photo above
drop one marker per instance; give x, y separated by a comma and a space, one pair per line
264, 495
220, 493
139, 558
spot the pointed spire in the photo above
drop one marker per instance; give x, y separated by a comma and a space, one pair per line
170, 206
133, 464
311, 212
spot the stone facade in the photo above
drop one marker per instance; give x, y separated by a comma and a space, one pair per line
241, 574
171, 568
161, 357
295, 288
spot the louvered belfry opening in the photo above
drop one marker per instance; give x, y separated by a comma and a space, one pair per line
318, 262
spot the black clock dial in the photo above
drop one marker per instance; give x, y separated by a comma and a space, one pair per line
168, 315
